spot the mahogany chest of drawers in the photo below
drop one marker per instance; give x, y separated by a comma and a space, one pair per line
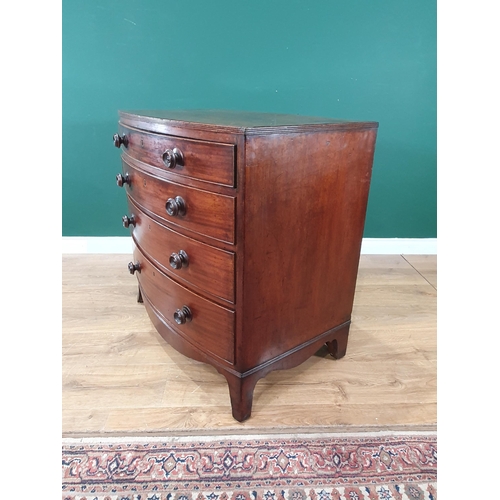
247, 231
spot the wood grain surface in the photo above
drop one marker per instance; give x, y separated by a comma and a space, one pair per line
302, 237
121, 378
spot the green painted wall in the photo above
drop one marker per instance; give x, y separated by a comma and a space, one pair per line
350, 59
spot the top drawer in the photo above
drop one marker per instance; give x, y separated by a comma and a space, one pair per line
207, 161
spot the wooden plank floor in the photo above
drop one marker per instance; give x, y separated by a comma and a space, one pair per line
121, 378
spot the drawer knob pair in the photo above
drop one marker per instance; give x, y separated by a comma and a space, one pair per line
175, 206
128, 221
118, 140
122, 179
173, 157
183, 315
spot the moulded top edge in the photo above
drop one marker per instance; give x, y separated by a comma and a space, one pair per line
235, 121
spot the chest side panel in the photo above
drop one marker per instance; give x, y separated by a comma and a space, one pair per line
305, 204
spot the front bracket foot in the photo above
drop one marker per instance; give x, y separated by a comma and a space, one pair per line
241, 393
337, 347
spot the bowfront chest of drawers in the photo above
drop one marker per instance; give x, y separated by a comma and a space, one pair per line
247, 231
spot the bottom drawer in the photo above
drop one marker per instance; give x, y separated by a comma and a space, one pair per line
202, 322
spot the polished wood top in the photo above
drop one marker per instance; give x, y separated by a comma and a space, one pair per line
237, 121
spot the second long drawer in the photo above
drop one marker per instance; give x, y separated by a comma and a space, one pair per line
206, 267
197, 210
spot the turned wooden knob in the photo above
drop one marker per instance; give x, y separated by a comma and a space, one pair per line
134, 267
175, 206
173, 157
178, 260
183, 315
122, 179
118, 140
128, 221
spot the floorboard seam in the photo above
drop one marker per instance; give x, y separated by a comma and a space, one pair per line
419, 272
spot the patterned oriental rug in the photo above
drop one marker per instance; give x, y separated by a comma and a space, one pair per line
322, 467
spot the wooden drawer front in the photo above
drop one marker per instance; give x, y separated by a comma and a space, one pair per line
207, 267
206, 213
211, 327
207, 161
